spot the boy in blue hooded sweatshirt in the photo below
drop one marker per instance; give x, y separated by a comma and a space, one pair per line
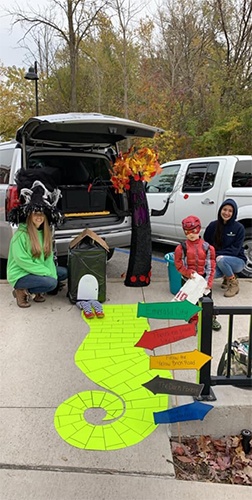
226, 235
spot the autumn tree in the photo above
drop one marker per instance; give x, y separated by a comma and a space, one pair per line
205, 64
17, 102
126, 13
232, 42
185, 68
71, 21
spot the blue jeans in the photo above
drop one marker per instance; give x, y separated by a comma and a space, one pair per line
226, 265
41, 284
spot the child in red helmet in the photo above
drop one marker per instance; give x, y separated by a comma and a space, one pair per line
196, 255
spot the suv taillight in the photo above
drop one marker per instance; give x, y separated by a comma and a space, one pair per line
12, 199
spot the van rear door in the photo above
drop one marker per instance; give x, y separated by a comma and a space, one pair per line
82, 129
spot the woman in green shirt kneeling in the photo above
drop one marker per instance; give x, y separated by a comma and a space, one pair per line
31, 269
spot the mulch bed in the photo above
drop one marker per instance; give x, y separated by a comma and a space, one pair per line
207, 459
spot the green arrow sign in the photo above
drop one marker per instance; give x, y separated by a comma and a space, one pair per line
167, 310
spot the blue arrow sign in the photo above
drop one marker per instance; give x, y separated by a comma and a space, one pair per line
191, 411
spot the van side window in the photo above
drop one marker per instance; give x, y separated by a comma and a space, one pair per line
200, 177
5, 165
242, 176
163, 182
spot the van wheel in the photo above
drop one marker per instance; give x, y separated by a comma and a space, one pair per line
247, 271
110, 253
3, 265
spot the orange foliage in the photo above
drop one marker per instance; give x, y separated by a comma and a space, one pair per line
141, 165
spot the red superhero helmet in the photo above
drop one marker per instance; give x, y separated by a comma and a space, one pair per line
191, 223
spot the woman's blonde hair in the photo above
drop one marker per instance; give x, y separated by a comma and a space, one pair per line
33, 235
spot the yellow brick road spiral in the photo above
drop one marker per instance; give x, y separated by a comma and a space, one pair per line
107, 356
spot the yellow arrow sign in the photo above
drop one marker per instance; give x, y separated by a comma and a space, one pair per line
191, 360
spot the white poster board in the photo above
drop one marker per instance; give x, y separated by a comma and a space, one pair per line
192, 290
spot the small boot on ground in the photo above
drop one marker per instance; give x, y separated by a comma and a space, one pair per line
216, 326
224, 283
233, 287
22, 296
39, 297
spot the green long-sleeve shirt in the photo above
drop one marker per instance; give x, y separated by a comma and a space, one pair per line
21, 261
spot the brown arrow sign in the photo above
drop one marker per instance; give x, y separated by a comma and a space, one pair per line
160, 385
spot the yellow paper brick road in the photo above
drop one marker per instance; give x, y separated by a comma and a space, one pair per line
108, 357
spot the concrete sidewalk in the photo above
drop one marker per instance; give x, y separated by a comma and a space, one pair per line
38, 373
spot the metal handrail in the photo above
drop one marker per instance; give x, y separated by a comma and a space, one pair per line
208, 310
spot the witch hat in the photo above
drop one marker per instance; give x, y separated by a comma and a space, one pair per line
36, 198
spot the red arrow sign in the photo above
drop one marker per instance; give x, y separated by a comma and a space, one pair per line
163, 336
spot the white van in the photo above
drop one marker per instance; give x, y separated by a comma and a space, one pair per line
198, 186
74, 151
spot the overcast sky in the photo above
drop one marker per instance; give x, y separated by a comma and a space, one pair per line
10, 51
10, 54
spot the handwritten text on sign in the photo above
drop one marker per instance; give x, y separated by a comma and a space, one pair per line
191, 360
164, 336
167, 310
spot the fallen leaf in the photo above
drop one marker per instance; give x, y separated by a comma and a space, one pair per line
234, 441
214, 475
208, 459
213, 464
204, 441
185, 459
241, 478
219, 444
248, 471
178, 448
223, 462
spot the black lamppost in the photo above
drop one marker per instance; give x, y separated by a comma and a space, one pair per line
33, 75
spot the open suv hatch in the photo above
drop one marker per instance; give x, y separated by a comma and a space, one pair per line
74, 152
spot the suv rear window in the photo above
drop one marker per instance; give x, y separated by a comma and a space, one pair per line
72, 170
83, 179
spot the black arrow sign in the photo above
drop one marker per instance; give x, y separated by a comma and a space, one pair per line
160, 385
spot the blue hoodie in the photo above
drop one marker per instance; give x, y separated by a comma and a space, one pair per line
233, 233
